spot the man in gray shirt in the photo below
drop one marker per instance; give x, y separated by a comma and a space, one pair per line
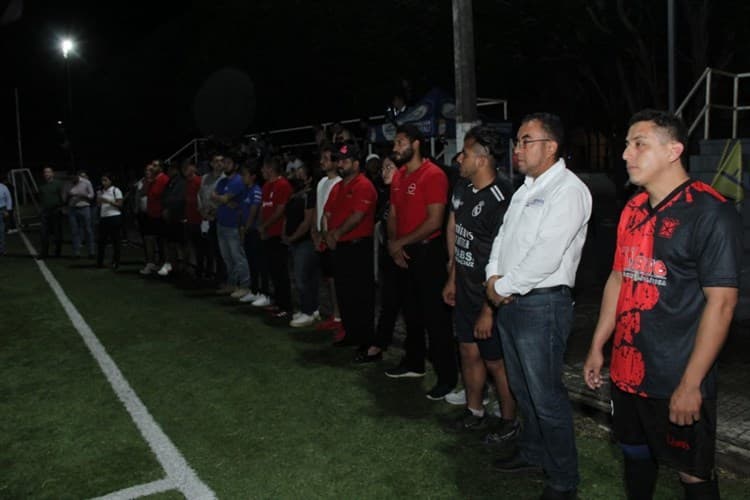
80, 194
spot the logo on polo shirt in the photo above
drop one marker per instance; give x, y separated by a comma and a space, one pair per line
477, 209
412, 188
456, 202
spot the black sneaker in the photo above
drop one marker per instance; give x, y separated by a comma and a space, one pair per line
467, 422
402, 371
439, 392
504, 433
516, 465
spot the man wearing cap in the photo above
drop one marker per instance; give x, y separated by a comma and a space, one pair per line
530, 274
349, 222
419, 193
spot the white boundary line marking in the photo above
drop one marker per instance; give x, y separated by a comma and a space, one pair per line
140, 490
179, 473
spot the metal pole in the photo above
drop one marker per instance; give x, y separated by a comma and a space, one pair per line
70, 115
735, 102
18, 129
463, 61
670, 53
707, 118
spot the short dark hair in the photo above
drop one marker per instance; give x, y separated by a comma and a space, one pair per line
552, 126
274, 162
486, 136
109, 176
668, 122
251, 168
412, 132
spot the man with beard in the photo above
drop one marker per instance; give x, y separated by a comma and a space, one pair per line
669, 300
530, 274
478, 204
349, 222
419, 194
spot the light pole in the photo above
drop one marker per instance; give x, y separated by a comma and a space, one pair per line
67, 46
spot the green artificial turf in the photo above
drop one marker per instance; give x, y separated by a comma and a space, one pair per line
258, 411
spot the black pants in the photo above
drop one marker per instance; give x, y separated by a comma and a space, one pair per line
257, 263
214, 261
392, 282
278, 265
109, 231
424, 310
355, 288
51, 223
200, 245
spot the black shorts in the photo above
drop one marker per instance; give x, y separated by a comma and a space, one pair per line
153, 226
690, 449
326, 263
174, 232
463, 325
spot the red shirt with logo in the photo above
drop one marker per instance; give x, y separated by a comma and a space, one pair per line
667, 254
412, 192
192, 186
356, 195
275, 193
153, 197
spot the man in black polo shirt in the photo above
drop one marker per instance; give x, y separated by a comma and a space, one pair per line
669, 300
477, 206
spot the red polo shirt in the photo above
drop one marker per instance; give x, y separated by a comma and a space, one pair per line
412, 192
356, 195
192, 186
275, 193
155, 190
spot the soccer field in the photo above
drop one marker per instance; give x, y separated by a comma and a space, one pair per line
231, 406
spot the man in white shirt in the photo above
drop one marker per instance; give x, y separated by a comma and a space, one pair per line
80, 196
530, 274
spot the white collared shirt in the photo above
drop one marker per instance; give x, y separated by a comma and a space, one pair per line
541, 240
325, 185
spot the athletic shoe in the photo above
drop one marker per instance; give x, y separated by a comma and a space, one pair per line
402, 371
439, 392
467, 421
503, 434
329, 324
226, 290
239, 293
12, 231
339, 335
494, 408
516, 465
249, 297
457, 398
280, 315
261, 301
362, 358
302, 320
316, 315
150, 268
165, 269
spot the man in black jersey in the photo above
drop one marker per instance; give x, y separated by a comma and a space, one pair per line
669, 301
477, 207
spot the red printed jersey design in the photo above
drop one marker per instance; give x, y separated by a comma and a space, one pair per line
412, 192
357, 195
192, 186
666, 254
275, 193
155, 190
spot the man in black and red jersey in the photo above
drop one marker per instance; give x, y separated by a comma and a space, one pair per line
419, 193
349, 219
669, 300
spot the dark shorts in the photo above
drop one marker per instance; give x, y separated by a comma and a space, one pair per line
326, 263
174, 232
153, 226
690, 449
463, 324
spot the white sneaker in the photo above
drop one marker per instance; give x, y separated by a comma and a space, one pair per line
302, 320
12, 231
239, 293
316, 315
165, 269
457, 398
494, 409
249, 297
262, 301
150, 268
296, 315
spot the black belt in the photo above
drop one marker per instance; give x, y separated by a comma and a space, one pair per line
354, 241
546, 290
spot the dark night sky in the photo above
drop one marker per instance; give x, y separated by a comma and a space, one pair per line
141, 64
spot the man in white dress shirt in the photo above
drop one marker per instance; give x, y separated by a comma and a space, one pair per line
530, 274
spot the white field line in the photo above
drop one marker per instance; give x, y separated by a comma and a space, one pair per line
139, 491
179, 473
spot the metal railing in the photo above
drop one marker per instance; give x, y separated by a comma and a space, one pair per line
194, 144
706, 81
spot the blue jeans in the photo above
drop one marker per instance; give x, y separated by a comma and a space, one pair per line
534, 332
306, 275
80, 220
233, 255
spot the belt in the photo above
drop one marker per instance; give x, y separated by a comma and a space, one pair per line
547, 290
353, 242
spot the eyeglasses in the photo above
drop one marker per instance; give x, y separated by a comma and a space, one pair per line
524, 143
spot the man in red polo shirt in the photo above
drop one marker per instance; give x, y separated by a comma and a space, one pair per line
154, 231
276, 193
349, 220
419, 193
